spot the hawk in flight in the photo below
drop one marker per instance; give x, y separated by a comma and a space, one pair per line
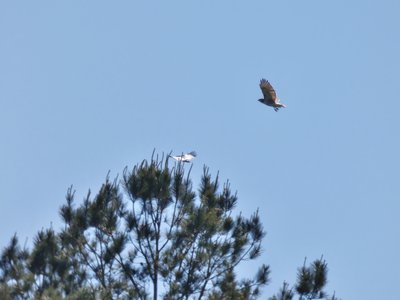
188, 157
270, 97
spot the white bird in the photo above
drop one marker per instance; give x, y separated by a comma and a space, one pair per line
188, 157
270, 97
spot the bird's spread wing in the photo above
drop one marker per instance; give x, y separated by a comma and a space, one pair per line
267, 90
178, 158
185, 157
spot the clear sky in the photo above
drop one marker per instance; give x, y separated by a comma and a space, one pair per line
88, 87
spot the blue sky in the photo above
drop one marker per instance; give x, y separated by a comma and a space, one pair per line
88, 87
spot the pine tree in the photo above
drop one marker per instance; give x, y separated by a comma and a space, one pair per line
311, 281
157, 234
285, 293
149, 235
15, 279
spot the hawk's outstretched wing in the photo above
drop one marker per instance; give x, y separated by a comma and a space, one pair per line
268, 91
185, 157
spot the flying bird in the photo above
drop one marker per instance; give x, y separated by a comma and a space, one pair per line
188, 157
270, 97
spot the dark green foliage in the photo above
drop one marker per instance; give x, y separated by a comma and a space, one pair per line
189, 244
16, 281
147, 236
285, 293
311, 280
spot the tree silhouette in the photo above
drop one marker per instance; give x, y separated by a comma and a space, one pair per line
149, 235
311, 281
15, 279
